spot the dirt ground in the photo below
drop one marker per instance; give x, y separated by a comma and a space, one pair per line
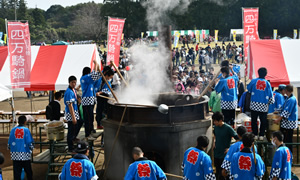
22, 103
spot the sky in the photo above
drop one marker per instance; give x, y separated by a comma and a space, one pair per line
45, 4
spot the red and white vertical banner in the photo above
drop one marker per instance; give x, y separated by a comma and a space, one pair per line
115, 30
250, 25
19, 48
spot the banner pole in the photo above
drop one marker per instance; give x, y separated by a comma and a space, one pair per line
12, 97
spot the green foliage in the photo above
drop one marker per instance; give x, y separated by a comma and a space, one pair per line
87, 21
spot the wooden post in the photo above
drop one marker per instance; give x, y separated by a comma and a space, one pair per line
103, 77
165, 34
119, 72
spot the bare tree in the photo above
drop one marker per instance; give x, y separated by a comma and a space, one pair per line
88, 23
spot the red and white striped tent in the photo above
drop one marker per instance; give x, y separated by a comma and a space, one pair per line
51, 66
280, 57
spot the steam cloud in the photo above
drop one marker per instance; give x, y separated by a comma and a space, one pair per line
148, 76
157, 11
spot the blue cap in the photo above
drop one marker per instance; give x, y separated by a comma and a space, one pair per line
281, 87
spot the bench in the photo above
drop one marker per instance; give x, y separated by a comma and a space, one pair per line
44, 157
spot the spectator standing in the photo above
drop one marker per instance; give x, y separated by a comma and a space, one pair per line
207, 62
197, 48
177, 56
104, 57
173, 57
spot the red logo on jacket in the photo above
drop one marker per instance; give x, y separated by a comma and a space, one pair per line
76, 169
241, 147
19, 133
230, 83
144, 170
244, 163
192, 157
288, 157
261, 85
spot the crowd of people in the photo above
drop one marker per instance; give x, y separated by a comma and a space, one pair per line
227, 92
188, 80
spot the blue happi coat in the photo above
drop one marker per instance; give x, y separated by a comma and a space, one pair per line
87, 85
144, 169
279, 100
236, 147
20, 143
104, 87
79, 167
282, 164
70, 98
228, 89
197, 165
261, 94
243, 167
289, 113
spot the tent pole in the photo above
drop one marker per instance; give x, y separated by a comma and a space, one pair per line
30, 102
13, 109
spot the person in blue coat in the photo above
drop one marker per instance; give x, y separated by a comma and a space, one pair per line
282, 160
196, 163
261, 97
143, 168
20, 143
88, 101
79, 167
101, 88
71, 111
289, 116
244, 165
278, 95
236, 147
227, 86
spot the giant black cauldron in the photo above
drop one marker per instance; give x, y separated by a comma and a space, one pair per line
163, 137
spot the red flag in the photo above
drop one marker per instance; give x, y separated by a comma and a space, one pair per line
250, 22
20, 54
115, 30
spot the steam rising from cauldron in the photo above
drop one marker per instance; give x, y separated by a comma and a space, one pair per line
148, 76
